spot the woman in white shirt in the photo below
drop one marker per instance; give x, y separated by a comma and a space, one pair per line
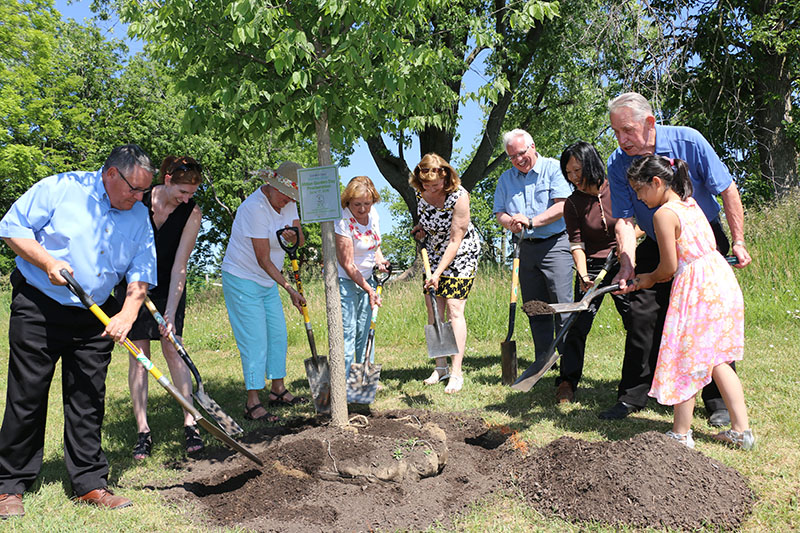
358, 250
251, 274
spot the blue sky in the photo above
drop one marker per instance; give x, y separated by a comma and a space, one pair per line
361, 163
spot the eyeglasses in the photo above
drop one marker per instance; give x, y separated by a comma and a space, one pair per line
134, 190
514, 157
435, 170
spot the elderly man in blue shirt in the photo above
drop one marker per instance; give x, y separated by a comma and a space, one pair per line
94, 225
637, 134
529, 201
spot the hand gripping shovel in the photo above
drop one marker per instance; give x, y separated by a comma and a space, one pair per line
362, 382
317, 369
508, 348
439, 335
534, 373
162, 380
211, 407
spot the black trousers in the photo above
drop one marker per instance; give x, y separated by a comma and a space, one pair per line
42, 331
572, 358
648, 310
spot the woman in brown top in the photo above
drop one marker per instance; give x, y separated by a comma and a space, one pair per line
590, 227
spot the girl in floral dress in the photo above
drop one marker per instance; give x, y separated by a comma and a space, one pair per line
453, 246
704, 327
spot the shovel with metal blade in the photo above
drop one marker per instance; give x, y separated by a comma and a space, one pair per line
508, 348
211, 407
162, 380
439, 335
317, 369
534, 373
362, 382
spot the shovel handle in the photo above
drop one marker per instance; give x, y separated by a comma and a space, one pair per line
289, 249
292, 251
175, 342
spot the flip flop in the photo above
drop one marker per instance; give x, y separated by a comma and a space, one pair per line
435, 377
454, 385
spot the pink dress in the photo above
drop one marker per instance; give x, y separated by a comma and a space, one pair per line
704, 326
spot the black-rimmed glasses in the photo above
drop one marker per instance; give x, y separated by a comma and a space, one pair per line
134, 190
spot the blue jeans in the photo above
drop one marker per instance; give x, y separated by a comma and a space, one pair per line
259, 327
356, 317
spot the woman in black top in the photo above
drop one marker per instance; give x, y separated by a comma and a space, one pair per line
176, 222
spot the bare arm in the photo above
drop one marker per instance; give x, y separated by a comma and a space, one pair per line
34, 253
458, 229
667, 227
625, 232
579, 257
734, 212
261, 249
177, 280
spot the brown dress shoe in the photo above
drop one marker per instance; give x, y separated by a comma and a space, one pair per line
104, 498
11, 505
564, 393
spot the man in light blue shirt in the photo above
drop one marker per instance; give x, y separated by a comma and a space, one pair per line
93, 225
529, 201
638, 134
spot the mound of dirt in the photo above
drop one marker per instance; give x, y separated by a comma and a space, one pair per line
648, 480
407, 470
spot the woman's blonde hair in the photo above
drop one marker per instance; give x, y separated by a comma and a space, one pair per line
431, 160
358, 187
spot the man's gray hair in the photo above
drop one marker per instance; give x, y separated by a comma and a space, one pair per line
128, 156
635, 102
510, 136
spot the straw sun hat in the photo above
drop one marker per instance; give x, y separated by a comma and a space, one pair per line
284, 179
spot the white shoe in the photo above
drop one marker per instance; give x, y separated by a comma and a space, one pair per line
437, 376
684, 438
454, 385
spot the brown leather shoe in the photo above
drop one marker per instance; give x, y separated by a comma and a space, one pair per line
564, 393
11, 505
104, 498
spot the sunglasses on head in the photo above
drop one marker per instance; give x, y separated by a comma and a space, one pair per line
187, 167
435, 170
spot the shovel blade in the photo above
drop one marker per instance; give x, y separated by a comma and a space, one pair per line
508, 359
359, 391
319, 381
441, 341
213, 410
232, 444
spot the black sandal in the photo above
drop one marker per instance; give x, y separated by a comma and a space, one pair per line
279, 401
144, 445
268, 417
194, 443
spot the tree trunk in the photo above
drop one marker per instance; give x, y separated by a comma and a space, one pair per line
333, 304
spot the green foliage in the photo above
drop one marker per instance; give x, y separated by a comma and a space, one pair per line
398, 245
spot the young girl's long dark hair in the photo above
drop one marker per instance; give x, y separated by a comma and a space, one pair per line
673, 172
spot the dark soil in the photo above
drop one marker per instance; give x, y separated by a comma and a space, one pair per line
537, 307
409, 469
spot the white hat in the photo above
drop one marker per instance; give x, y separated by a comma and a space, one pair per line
284, 179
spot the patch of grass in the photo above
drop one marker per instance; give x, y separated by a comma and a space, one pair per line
769, 373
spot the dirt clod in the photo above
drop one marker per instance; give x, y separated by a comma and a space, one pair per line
537, 307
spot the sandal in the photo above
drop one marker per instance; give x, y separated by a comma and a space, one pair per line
144, 445
454, 385
436, 377
267, 417
280, 401
194, 443
744, 439
684, 438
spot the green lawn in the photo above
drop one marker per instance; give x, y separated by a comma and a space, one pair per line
770, 374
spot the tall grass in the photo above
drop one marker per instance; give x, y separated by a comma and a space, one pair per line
770, 375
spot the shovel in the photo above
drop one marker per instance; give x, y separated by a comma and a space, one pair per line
534, 373
439, 335
162, 379
362, 382
317, 369
508, 348
211, 407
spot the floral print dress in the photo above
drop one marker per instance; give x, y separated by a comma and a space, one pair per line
704, 325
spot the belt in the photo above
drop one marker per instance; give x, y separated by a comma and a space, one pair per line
535, 240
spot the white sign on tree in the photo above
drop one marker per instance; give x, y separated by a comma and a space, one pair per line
319, 194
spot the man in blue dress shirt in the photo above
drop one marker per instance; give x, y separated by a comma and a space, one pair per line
93, 225
638, 134
529, 201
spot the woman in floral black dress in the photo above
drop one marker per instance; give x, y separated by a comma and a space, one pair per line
453, 246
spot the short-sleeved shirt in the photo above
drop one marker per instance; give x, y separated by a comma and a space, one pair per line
256, 219
532, 193
366, 240
589, 221
70, 215
708, 173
